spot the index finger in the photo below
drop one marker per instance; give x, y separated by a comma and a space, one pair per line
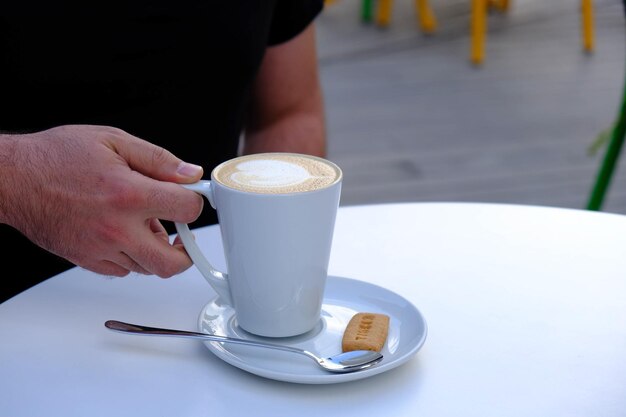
168, 201
155, 161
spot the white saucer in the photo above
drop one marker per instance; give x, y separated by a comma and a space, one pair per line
343, 298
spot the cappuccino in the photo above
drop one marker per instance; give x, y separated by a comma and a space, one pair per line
277, 173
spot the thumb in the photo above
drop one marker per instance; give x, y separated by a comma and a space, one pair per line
157, 162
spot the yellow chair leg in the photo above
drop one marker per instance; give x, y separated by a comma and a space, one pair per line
383, 12
478, 31
587, 25
499, 5
425, 16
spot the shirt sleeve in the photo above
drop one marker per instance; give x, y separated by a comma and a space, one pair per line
291, 17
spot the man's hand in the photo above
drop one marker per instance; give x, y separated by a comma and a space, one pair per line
94, 194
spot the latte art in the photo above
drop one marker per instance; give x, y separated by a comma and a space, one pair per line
266, 173
277, 173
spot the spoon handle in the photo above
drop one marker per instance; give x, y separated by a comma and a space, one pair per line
122, 327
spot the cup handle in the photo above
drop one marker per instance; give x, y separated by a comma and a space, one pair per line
217, 279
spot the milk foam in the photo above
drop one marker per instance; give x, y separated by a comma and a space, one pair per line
268, 173
277, 173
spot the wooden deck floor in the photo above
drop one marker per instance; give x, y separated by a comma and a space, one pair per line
409, 119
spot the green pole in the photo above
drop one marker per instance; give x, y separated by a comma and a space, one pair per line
366, 10
611, 156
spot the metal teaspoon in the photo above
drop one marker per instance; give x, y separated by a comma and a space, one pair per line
341, 363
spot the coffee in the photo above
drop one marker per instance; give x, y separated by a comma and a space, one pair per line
277, 173
276, 216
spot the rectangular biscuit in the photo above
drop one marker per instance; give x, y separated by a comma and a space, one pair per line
366, 331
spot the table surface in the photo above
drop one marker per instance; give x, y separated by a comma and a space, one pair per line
526, 313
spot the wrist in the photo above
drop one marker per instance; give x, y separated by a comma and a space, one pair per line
8, 173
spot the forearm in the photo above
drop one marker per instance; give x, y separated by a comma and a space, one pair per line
301, 131
8, 159
286, 111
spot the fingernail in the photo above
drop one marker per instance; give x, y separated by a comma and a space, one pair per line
188, 170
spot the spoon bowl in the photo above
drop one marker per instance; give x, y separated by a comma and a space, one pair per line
350, 361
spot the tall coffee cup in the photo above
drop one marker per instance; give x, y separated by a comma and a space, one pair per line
276, 214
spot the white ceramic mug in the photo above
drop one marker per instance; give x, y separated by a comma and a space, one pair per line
276, 213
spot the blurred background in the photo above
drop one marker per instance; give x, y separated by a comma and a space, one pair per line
410, 118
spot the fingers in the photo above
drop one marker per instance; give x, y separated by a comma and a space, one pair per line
109, 268
152, 185
169, 201
153, 253
163, 198
156, 162
152, 191
120, 266
162, 261
130, 265
158, 229
148, 252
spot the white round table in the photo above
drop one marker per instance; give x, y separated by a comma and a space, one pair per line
526, 313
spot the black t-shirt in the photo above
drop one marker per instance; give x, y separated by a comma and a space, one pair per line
177, 74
